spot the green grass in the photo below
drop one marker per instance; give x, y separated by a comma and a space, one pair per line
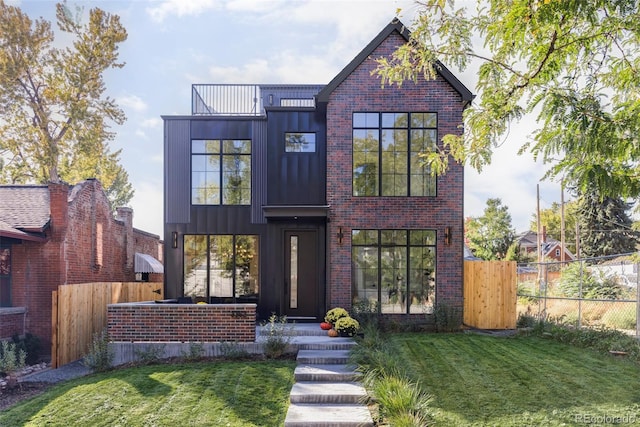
478, 380
199, 394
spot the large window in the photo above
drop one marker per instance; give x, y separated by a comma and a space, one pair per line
387, 150
395, 269
221, 172
221, 267
5, 277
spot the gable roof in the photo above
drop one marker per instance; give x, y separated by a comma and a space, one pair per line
395, 25
24, 209
25, 206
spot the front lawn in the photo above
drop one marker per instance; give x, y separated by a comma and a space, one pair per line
478, 380
218, 393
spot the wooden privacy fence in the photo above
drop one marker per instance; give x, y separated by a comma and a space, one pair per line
79, 311
490, 294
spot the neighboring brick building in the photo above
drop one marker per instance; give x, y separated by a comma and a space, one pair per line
306, 197
57, 234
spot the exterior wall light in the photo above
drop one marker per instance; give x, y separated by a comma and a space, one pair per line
340, 235
174, 239
447, 235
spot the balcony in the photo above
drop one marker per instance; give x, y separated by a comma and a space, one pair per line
248, 100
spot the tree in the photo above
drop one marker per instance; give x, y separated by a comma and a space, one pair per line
575, 63
490, 235
605, 227
551, 219
515, 253
54, 125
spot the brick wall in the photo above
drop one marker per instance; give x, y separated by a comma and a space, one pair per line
182, 322
85, 243
361, 92
12, 322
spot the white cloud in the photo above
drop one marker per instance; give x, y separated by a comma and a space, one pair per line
141, 134
180, 8
151, 123
132, 102
256, 71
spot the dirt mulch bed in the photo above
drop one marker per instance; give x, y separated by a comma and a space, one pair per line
14, 395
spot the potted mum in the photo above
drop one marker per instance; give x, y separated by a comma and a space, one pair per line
334, 314
347, 326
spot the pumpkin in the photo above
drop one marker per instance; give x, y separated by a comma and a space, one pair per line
325, 326
332, 333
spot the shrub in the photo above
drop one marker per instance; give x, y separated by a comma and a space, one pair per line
447, 318
334, 314
347, 326
366, 312
12, 359
151, 354
601, 339
233, 351
195, 353
31, 345
100, 355
279, 336
620, 317
578, 281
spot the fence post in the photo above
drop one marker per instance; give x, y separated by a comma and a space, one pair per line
580, 295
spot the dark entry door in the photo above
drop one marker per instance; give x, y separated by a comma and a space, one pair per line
301, 273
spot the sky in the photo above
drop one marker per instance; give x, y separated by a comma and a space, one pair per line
173, 44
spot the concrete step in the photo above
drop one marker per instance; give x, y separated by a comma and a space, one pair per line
297, 329
323, 357
328, 392
325, 373
302, 415
322, 343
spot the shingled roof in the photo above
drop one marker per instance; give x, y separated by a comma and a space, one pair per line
24, 209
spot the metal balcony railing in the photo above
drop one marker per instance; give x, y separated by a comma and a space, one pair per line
249, 100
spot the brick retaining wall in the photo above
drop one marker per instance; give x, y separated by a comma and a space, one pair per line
153, 322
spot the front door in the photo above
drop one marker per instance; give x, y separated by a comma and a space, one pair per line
301, 274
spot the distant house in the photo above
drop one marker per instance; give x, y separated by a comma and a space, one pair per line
57, 234
551, 248
300, 198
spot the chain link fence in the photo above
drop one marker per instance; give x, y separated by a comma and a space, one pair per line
590, 292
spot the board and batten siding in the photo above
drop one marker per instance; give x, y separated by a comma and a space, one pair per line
177, 165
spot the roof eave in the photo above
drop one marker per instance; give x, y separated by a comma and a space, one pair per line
21, 235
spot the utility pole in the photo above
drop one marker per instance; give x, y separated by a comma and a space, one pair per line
539, 231
577, 241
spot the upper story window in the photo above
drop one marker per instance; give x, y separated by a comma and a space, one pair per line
386, 154
221, 172
299, 142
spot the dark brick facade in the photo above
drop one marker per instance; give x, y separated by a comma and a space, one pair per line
362, 92
84, 243
181, 322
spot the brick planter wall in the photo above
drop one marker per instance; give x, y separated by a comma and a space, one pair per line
12, 321
152, 322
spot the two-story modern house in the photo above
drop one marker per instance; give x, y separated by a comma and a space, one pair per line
305, 197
